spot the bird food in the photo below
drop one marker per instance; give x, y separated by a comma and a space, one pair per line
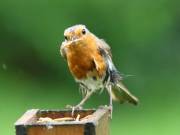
43, 120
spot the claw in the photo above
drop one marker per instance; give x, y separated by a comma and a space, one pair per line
77, 107
111, 110
73, 108
109, 107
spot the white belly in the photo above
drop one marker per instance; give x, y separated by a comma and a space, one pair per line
92, 84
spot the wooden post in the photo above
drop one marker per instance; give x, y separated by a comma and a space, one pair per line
91, 122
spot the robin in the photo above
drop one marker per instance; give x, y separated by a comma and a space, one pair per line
90, 61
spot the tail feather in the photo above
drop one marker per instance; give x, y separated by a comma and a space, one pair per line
121, 94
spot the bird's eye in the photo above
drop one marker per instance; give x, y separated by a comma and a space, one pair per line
65, 37
83, 31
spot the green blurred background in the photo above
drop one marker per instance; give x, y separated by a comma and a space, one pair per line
145, 40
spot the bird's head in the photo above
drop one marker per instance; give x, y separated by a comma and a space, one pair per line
75, 33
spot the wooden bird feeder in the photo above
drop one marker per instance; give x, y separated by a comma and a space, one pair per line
61, 122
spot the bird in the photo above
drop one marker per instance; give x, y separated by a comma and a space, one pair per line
89, 59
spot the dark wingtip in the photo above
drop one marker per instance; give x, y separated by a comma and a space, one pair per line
134, 101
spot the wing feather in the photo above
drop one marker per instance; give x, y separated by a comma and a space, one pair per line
103, 45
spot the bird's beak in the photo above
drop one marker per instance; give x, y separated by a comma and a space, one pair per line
74, 38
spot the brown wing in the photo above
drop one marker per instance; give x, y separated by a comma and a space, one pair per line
100, 65
103, 45
119, 91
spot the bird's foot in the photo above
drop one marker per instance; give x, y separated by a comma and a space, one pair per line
109, 107
73, 108
111, 110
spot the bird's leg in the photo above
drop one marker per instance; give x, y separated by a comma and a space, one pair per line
79, 106
110, 99
108, 86
88, 94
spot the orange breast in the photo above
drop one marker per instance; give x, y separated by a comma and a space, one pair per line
80, 58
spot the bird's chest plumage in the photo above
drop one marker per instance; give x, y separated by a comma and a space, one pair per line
80, 61
80, 58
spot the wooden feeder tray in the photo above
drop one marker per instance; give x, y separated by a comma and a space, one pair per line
83, 122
